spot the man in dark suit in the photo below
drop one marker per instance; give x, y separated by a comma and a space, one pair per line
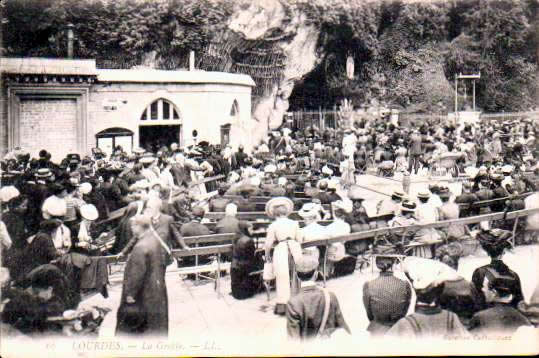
162, 224
305, 311
195, 228
386, 298
144, 302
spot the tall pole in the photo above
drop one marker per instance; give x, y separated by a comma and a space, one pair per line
456, 96
473, 83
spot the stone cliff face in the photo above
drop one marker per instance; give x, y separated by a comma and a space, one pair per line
297, 40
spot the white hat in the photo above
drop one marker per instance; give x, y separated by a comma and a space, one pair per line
270, 168
332, 184
507, 168
231, 209
8, 192
282, 181
85, 188
279, 201
146, 160
426, 272
54, 207
89, 212
309, 210
255, 181
345, 205
326, 170
306, 264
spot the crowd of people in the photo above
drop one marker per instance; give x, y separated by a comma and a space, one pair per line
57, 218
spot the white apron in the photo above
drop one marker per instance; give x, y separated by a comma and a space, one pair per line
282, 268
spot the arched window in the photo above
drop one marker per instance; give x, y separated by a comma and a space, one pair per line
235, 110
159, 110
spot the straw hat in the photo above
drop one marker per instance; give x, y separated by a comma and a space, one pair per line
309, 210
408, 206
423, 195
279, 201
43, 173
89, 212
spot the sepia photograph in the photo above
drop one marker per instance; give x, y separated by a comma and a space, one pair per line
269, 178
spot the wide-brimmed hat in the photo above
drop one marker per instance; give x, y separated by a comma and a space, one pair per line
355, 193
326, 170
8, 192
345, 205
397, 195
270, 168
427, 272
423, 195
308, 210
85, 188
89, 212
138, 150
494, 239
43, 173
147, 160
408, 206
279, 201
54, 207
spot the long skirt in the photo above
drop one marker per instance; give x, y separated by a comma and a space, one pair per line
284, 268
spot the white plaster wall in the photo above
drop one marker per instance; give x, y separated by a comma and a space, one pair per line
204, 107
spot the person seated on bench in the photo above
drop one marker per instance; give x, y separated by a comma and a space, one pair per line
218, 203
244, 262
312, 231
244, 204
339, 263
359, 221
195, 228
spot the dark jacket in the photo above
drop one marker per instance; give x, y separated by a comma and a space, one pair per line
500, 267
144, 280
305, 310
498, 318
386, 299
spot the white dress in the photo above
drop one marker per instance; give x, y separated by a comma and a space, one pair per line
287, 235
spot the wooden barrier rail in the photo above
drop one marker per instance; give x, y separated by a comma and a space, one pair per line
116, 214
221, 249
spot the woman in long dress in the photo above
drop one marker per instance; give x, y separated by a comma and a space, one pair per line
284, 236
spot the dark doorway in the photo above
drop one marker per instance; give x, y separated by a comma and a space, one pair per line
154, 137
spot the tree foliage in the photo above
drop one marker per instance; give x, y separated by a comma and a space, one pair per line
404, 52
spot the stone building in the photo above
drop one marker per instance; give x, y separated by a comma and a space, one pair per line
70, 106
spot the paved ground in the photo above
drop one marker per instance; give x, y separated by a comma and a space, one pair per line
199, 317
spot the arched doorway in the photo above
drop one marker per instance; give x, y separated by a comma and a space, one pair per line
160, 125
110, 138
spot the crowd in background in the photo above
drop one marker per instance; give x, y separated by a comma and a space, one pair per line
55, 217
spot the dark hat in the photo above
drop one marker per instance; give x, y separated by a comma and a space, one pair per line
49, 225
494, 241
408, 206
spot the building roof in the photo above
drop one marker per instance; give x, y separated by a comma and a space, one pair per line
161, 76
47, 66
53, 66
